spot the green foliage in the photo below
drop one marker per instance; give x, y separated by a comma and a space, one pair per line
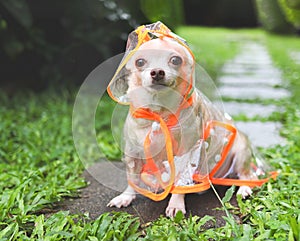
39, 166
170, 12
37, 159
291, 9
282, 57
271, 16
179, 228
20, 11
54, 38
107, 142
63, 226
294, 4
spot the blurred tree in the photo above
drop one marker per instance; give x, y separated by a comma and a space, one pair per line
295, 4
271, 16
226, 13
170, 12
52, 41
291, 9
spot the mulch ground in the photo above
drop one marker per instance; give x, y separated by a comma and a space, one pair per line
94, 198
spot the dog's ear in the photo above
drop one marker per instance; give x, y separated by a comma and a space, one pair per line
119, 85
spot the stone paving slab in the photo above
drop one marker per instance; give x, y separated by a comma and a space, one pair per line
253, 52
250, 110
295, 56
262, 134
252, 64
253, 59
250, 79
94, 198
253, 92
248, 70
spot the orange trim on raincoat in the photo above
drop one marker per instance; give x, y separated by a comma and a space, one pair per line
202, 182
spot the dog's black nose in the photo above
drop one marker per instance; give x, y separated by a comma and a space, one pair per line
157, 74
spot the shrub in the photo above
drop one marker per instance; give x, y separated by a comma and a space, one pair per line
170, 12
271, 16
46, 41
291, 9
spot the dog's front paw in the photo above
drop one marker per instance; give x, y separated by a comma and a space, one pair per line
123, 200
171, 211
245, 191
176, 204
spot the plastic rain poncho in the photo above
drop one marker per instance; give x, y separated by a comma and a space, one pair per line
163, 161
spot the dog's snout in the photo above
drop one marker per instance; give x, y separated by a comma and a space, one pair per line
157, 74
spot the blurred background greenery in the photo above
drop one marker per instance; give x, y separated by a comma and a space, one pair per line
46, 42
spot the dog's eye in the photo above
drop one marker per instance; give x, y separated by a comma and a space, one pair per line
176, 60
140, 63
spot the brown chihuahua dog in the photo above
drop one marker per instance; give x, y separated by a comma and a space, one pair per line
166, 134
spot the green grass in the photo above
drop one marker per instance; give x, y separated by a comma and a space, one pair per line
214, 46
39, 165
281, 48
203, 40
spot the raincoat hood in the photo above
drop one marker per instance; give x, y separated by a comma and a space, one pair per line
118, 86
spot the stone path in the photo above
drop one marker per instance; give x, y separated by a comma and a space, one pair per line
250, 75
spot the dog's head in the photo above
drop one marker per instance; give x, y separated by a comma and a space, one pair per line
159, 73
159, 68
159, 65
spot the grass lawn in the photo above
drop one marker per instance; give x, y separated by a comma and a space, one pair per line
39, 165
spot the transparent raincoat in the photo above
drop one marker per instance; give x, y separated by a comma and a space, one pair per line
183, 150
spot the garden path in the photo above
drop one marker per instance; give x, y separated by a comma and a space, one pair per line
245, 82
249, 76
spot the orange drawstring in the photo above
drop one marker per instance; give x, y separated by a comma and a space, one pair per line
150, 166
